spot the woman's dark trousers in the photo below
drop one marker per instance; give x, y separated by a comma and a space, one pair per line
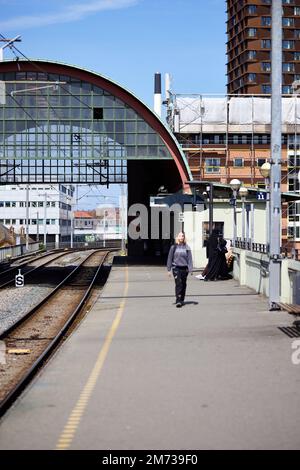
180, 276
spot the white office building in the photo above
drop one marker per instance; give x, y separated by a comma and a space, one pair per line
49, 214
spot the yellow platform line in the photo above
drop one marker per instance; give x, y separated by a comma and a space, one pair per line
67, 436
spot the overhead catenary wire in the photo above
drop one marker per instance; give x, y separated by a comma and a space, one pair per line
65, 89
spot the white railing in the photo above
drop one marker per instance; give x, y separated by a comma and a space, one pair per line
251, 269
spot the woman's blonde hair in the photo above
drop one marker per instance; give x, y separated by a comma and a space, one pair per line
177, 240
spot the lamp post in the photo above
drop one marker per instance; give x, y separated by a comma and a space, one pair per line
243, 192
265, 171
37, 227
235, 185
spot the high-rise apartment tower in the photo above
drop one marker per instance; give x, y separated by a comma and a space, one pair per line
249, 46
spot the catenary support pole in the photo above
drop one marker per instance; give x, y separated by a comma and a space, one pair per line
27, 217
45, 219
210, 191
275, 177
252, 225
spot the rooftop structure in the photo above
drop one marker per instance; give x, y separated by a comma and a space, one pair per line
227, 137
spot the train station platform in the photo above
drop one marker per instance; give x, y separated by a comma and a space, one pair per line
139, 373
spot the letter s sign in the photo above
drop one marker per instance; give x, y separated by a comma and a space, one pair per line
19, 280
296, 354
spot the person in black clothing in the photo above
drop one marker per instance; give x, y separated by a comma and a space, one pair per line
180, 263
217, 266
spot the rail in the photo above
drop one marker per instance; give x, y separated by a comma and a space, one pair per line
17, 388
114, 243
7, 277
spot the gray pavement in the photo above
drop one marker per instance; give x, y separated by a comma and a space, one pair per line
213, 375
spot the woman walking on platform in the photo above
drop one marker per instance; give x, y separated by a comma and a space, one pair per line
180, 262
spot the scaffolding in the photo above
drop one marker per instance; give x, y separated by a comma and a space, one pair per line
224, 125
233, 120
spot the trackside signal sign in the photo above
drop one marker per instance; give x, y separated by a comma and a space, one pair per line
19, 279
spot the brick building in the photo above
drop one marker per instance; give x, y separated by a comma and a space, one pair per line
229, 137
249, 46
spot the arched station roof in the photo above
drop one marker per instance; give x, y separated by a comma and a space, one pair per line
113, 88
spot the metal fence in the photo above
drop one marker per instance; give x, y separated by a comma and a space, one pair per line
250, 246
117, 244
287, 251
17, 250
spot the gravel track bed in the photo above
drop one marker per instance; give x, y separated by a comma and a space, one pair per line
16, 302
37, 332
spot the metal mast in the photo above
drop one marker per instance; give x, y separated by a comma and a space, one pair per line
275, 177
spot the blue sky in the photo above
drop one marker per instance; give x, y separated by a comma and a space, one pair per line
127, 40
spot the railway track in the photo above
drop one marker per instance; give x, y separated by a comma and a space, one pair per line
30, 341
7, 277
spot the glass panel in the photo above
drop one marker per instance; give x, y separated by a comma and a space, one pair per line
59, 123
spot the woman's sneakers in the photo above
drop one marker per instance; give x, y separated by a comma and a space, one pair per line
179, 304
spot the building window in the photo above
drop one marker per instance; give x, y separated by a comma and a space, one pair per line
252, 9
251, 77
288, 67
266, 66
266, 20
205, 230
288, 44
238, 162
288, 22
287, 89
297, 33
97, 113
297, 11
266, 43
296, 55
266, 89
251, 32
260, 161
212, 165
252, 55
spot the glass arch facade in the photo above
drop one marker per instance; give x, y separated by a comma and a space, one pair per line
59, 128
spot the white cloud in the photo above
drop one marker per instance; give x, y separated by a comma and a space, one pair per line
74, 12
